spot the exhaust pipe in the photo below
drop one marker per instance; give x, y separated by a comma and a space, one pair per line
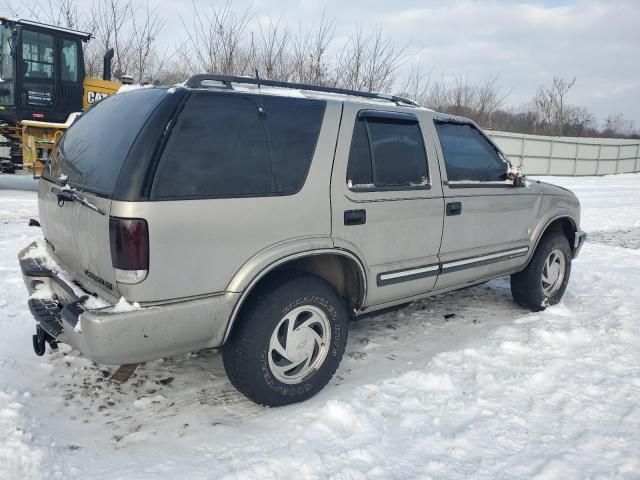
106, 66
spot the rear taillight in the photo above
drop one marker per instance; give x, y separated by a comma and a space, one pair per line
129, 240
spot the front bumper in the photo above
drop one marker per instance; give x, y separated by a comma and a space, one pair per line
126, 337
578, 241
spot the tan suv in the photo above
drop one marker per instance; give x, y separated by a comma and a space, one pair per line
259, 217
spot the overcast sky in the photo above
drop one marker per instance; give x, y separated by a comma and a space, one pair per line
525, 43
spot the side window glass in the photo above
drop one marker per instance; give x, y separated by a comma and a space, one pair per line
230, 145
359, 169
217, 147
398, 153
386, 154
468, 155
69, 61
292, 128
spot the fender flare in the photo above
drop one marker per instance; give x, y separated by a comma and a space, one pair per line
543, 230
288, 258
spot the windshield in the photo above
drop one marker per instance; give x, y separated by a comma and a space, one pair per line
94, 149
6, 66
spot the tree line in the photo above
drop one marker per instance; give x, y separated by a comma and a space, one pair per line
227, 40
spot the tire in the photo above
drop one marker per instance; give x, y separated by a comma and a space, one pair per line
536, 287
288, 341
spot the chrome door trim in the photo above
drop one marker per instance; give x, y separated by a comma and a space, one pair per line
397, 276
493, 257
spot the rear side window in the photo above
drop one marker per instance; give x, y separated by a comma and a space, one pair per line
231, 145
468, 155
93, 150
387, 154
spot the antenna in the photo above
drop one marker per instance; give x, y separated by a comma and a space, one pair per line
261, 106
257, 78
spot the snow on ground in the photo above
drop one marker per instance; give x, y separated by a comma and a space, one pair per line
492, 392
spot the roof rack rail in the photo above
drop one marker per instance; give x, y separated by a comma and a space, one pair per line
227, 80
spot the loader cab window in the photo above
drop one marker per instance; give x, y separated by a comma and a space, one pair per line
37, 55
69, 61
37, 69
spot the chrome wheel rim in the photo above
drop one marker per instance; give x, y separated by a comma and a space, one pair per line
299, 344
553, 273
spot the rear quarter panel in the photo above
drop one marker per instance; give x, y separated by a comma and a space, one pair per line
197, 246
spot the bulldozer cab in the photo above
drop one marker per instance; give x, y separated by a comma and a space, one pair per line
41, 71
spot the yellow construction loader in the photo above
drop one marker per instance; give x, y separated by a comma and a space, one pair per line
43, 87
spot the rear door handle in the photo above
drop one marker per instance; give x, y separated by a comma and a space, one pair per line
355, 217
454, 208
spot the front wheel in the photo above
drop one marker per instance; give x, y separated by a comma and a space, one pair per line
544, 280
288, 342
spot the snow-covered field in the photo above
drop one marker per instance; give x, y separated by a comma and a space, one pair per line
465, 385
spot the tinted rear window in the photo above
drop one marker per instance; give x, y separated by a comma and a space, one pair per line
232, 145
95, 147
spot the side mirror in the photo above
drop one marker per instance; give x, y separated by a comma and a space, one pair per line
516, 175
519, 182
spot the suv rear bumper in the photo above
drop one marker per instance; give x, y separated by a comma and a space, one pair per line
125, 337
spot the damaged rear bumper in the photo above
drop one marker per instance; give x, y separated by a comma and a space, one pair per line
122, 337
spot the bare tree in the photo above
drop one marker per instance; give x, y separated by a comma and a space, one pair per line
146, 61
550, 102
311, 58
113, 30
222, 40
13, 9
457, 96
271, 53
215, 41
489, 98
618, 126
63, 13
438, 96
416, 85
369, 62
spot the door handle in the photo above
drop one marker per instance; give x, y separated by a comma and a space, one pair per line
355, 217
454, 208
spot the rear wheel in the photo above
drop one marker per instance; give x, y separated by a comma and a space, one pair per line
288, 341
544, 280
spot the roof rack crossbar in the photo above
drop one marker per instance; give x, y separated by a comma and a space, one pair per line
227, 80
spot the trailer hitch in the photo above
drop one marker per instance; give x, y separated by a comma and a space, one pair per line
40, 341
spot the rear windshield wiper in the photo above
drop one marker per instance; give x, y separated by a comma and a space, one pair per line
66, 195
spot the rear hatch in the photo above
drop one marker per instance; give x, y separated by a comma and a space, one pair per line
78, 185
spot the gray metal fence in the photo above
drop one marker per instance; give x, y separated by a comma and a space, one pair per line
544, 155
